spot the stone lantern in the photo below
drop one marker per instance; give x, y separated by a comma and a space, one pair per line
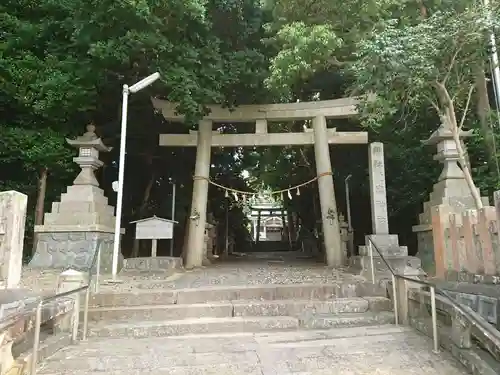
89, 146
451, 189
82, 219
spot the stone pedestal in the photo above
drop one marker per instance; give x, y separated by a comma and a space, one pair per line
208, 244
451, 191
395, 255
344, 236
164, 265
70, 280
71, 232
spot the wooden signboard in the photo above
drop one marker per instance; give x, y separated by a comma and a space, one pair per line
154, 228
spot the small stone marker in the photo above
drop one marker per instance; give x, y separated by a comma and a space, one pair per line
115, 185
154, 228
12, 219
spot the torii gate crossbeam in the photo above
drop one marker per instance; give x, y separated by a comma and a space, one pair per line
320, 136
263, 139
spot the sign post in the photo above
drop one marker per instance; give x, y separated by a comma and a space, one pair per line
154, 228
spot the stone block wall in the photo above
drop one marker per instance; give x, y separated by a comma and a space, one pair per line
76, 250
484, 305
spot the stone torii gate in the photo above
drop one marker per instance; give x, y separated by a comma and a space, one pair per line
319, 136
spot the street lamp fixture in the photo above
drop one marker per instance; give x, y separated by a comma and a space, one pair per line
121, 166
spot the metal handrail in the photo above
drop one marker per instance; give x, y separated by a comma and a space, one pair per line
490, 332
37, 306
76, 310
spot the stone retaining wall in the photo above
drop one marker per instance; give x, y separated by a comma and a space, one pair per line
477, 349
16, 339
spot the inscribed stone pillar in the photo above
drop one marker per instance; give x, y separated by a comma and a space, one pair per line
380, 221
198, 218
12, 219
387, 244
329, 217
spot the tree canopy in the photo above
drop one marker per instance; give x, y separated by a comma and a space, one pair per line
63, 65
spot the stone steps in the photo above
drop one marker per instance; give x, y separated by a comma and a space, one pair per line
219, 353
240, 308
158, 295
327, 321
141, 329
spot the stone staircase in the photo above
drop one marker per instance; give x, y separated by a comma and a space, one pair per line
302, 329
251, 317
238, 309
271, 246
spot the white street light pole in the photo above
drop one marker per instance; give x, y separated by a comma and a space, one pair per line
495, 69
121, 166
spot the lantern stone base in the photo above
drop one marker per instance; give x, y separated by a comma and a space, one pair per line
73, 249
152, 264
395, 255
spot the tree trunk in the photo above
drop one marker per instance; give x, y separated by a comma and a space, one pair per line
423, 9
141, 212
450, 115
483, 113
466, 170
291, 225
40, 201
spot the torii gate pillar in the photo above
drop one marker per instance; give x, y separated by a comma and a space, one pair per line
198, 218
329, 217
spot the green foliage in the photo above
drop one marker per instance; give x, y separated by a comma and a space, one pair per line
304, 49
315, 35
63, 63
61, 58
404, 65
24, 152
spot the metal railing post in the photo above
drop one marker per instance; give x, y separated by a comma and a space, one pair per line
76, 319
36, 338
98, 271
372, 265
86, 314
395, 299
434, 319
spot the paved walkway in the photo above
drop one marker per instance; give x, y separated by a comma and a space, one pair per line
260, 268
383, 350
